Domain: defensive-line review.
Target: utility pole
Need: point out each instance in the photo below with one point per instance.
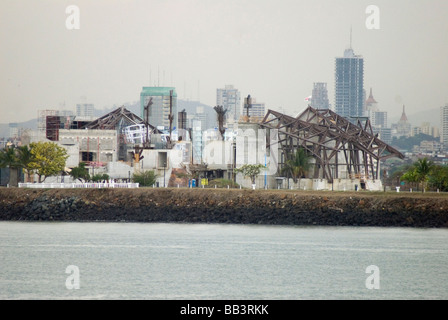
(248, 105)
(164, 167)
(171, 117)
(147, 121)
(332, 177)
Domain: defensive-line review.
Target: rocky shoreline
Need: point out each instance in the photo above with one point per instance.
(269, 207)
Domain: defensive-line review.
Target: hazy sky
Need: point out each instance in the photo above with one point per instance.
(271, 49)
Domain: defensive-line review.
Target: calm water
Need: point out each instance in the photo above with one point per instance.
(203, 261)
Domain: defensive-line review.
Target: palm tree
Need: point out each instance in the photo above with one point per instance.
(25, 158)
(80, 172)
(9, 159)
(297, 166)
(423, 168)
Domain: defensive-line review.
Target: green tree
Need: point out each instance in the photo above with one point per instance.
(25, 158)
(145, 178)
(439, 177)
(9, 159)
(410, 176)
(100, 177)
(395, 174)
(419, 172)
(250, 170)
(80, 173)
(49, 159)
(297, 166)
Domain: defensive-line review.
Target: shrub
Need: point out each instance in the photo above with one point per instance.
(222, 183)
(145, 178)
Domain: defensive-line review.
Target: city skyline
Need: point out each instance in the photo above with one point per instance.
(274, 51)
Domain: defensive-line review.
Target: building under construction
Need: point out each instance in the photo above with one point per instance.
(339, 148)
(131, 130)
(49, 122)
(113, 143)
(110, 138)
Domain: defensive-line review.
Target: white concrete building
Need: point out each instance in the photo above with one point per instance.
(230, 99)
(95, 147)
(444, 126)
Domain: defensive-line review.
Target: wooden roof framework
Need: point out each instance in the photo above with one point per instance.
(117, 119)
(324, 135)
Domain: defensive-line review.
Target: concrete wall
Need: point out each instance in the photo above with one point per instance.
(119, 170)
(272, 182)
(102, 143)
(218, 154)
(261, 181)
(73, 155)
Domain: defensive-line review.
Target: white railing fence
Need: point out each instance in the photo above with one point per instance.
(78, 185)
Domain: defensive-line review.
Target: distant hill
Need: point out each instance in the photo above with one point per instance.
(432, 116)
(407, 143)
(4, 127)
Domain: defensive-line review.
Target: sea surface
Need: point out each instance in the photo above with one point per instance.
(96, 260)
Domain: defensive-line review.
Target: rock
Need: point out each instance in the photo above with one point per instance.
(223, 206)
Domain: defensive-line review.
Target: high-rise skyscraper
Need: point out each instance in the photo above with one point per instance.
(349, 85)
(444, 126)
(230, 99)
(159, 110)
(85, 110)
(13, 130)
(319, 96)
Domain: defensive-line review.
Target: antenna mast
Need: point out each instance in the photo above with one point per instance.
(350, 37)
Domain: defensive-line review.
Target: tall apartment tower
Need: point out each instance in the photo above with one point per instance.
(13, 130)
(230, 99)
(159, 110)
(257, 109)
(319, 96)
(182, 120)
(349, 85)
(85, 110)
(444, 126)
